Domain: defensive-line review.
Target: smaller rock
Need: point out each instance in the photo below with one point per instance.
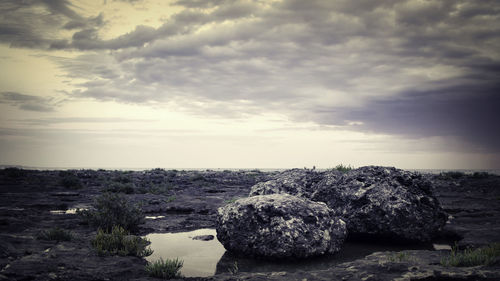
(204, 237)
(279, 226)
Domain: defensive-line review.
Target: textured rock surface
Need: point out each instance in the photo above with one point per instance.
(299, 182)
(404, 266)
(279, 226)
(383, 202)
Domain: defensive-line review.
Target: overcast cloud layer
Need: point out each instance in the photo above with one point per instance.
(413, 69)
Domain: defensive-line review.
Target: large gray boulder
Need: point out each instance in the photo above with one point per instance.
(383, 202)
(299, 182)
(279, 226)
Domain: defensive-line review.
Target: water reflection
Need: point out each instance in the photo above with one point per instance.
(206, 258)
(200, 257)
(350, 251)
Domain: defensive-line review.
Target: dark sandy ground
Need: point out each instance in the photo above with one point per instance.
(188, 200)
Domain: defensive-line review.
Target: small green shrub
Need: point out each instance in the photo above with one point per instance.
(166, 269)
(113, 210)
(470, 257)
(119, 242)
(70, 180)
(118, 187)
(342, 168)
(55, 234)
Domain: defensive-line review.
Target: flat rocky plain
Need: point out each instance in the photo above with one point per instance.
(188, 200)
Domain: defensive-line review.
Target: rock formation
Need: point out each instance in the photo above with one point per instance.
(376, 202)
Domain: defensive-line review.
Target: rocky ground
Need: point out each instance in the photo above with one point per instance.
(188, 200)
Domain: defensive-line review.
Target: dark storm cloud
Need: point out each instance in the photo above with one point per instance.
(467, 111)
(27, 102)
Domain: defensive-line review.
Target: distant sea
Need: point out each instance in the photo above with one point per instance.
(423, 171)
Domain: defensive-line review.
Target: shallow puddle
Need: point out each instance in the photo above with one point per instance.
(440, 247)
(200, 257)
(70, 211)
(206, 258)
(154, 217)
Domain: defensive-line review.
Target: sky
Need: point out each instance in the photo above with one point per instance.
(413, 84)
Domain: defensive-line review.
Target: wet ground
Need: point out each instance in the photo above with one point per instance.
(184, 201)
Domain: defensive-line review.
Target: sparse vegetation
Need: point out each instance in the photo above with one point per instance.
(233, 269)
(170, 199)
(472, 257)
(156, 189)
(124, 178)
(197, 177)
(70, 180)
(166, 269)
(399, 257)
(14, 172)
(231, 200)
(55, 234)
(113, 210)
(119, 242)
(451, 175)
(119, 187)
(343, 168)
(480, 175)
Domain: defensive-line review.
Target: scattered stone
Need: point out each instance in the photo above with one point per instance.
(204, 237)
(279, 226)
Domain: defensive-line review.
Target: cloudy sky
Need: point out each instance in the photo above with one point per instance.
(250, 84)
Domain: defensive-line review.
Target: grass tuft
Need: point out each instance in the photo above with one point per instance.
(399, 257)
(234, 269)
(55, 234)
(166, 269)
(343, 168)
(472, 257)
(119, 242)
